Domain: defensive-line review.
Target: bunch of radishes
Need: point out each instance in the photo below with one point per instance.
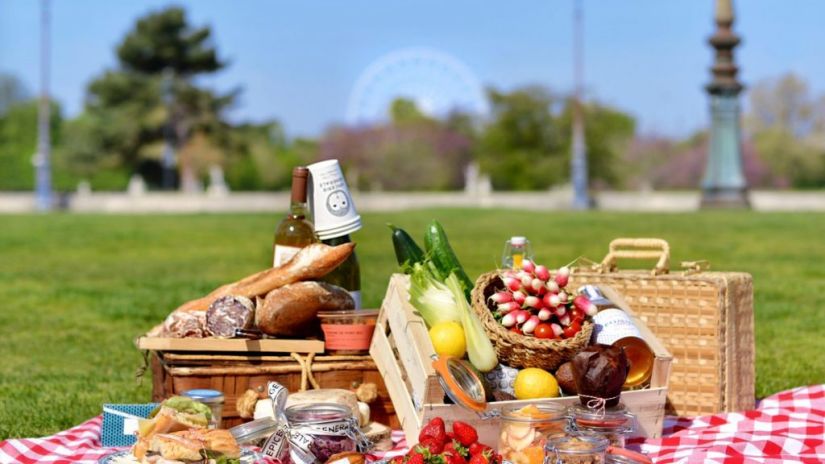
(536, 302)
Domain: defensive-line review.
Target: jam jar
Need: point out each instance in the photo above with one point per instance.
(317, 431)
(614, 424)
(525, 431)
(213, 399)
(576, 449)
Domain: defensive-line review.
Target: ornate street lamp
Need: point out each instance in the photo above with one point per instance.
(724, 185)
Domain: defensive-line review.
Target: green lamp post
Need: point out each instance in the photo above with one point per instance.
(724, 185)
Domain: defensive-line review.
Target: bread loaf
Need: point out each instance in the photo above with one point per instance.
(311, 262)
(292, 309)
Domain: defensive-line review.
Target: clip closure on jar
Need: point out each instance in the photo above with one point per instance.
(614, 424)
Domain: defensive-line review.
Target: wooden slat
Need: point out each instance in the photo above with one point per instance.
(230, 344)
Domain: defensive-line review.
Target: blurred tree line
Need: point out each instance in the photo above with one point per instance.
(154, 100)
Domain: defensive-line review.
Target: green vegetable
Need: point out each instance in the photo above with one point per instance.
(442, 254)
(479, 347)
(430, 297)
(407, 252)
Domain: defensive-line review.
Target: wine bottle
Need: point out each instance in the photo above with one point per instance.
(294, 231)
(348, 274)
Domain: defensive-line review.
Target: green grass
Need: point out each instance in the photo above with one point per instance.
(76, 290)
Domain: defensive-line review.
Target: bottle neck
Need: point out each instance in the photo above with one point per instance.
(339, 240)
(298, 208)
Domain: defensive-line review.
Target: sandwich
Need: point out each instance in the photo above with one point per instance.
(175, 414)
(200, 446)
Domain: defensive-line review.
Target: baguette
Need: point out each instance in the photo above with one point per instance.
(291, 309)
(311, 262)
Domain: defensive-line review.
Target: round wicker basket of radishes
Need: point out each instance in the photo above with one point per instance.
(530, 317)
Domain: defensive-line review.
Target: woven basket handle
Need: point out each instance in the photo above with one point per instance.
(638, 248)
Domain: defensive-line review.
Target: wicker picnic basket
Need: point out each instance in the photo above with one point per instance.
(705, 319)
(517, 350)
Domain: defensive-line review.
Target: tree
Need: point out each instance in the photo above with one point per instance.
(151, 97)
(18, 142)
(12, 91)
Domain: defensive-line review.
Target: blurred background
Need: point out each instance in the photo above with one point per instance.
(425, 96)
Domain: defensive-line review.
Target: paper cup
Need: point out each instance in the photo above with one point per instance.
(330, 201)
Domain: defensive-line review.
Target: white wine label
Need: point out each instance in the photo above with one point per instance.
(356, 295)
(612, 325)
(283, 254)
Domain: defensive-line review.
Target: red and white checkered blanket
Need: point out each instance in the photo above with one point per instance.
(788, 427)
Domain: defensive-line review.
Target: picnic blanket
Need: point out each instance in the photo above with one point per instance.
(788, 427)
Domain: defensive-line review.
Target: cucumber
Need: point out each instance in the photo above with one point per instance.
(407, 252)
(443, 257)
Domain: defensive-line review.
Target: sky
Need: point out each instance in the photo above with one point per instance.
(298, 62)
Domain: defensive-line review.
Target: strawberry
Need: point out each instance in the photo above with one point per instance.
(456, 447)
(478, 448)
(434, 429)
(397, 460)
(451, 436)
(451, 457)
(465, 433)
(416, 458)
(431, 444)
(479, 458)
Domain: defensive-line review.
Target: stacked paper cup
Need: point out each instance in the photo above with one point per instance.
(333, 211)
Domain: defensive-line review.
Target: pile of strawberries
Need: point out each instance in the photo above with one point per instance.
(437, 446)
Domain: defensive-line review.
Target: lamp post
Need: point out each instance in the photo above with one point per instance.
(42, 164)
(578, 163)
(724, 184)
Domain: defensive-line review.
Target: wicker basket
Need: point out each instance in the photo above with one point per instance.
(517, 350)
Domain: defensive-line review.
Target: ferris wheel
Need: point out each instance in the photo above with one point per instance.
(436, 81)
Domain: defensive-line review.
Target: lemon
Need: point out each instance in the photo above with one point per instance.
(532, 383)
(448, 339)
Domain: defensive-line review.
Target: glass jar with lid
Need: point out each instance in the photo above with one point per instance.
(525, 431)
(577, 449)
(614, 423)
(212, 398)
(317, 431)
(254, 433)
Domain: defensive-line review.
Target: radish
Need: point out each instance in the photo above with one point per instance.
(518, 297)
(530, 325)
(542, 273)
(522, 316)
(563, 297)
(508, 307)
(537, 285)
(560, 311)
(526, 280)
(528, 266)
(565, 320)
(582, 303)
(501, 297)
(512, 283)
(551, 300)
(545, 314)
(532, 302)
(557, 329)
(562, 276)
(508, 320)
(552, 286)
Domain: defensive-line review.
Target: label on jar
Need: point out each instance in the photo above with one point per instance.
(348, 336)
(613, 324)
(283, 254)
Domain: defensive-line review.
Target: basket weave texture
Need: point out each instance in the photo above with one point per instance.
(517, 350)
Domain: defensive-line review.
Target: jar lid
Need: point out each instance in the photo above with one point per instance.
(461, 383)
(254, 430)
(577, 444)
(533, 413)
(317, 412)
(518, 240)
(349, 314)
(612, 417)
(635, 458)
(205, 396)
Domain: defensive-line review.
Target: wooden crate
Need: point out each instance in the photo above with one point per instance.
(705, 319)
(233, 373)
(402, 351)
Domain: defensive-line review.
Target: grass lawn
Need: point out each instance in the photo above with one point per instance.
(76, 290)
